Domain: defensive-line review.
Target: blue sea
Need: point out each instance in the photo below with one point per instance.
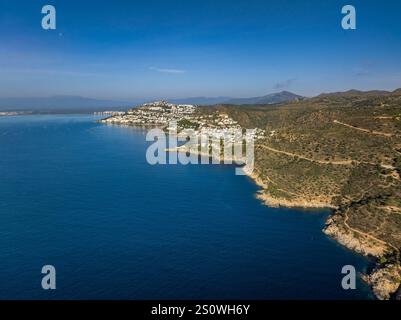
(80, 196)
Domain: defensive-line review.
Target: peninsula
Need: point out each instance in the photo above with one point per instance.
(339, 150)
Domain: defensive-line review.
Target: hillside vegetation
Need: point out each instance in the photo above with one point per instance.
(340, 150)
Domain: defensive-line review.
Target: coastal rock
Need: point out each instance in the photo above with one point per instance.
(385, 281)
(293, 203)
(335, 229)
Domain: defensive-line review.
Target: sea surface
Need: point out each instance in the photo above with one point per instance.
(80, 196)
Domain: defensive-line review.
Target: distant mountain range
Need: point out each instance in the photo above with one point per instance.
(60, 103)
(82, 104)
(78, 104)
(200, 100)
(353, 93)
(278, 97)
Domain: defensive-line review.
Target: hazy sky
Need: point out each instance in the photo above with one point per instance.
(168, 48)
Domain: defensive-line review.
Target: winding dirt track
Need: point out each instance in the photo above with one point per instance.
(366, 234)
(339, 162)
(378, 133)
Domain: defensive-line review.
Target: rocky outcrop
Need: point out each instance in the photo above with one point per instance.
(367, 247)
(293, 203)
(385, 281)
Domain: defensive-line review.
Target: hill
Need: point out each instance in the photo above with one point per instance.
(273, 98)
(279, 97)
(343, 151)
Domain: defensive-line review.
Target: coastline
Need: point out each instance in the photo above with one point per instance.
(385, 279)
(222, 217)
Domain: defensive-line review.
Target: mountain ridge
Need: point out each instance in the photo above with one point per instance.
(58, 102)
(272, 98)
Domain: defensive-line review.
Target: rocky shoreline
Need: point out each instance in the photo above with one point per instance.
(385, 279)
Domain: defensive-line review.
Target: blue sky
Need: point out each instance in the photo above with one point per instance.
(128, 50)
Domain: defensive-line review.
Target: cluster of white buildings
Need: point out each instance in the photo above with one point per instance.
(164, 106)
(109, 113)
(161, 113)
(222, 126)
(158, 113)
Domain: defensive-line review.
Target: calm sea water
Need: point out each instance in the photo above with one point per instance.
(80, 196)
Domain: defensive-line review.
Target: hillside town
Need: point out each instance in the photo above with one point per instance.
(162, 114)
(109, 113)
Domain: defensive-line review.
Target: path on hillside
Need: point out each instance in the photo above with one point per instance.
(366, 234)
(362, 232)
(337, 162)
(378, 133)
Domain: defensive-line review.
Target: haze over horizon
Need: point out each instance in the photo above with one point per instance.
(137, 51)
